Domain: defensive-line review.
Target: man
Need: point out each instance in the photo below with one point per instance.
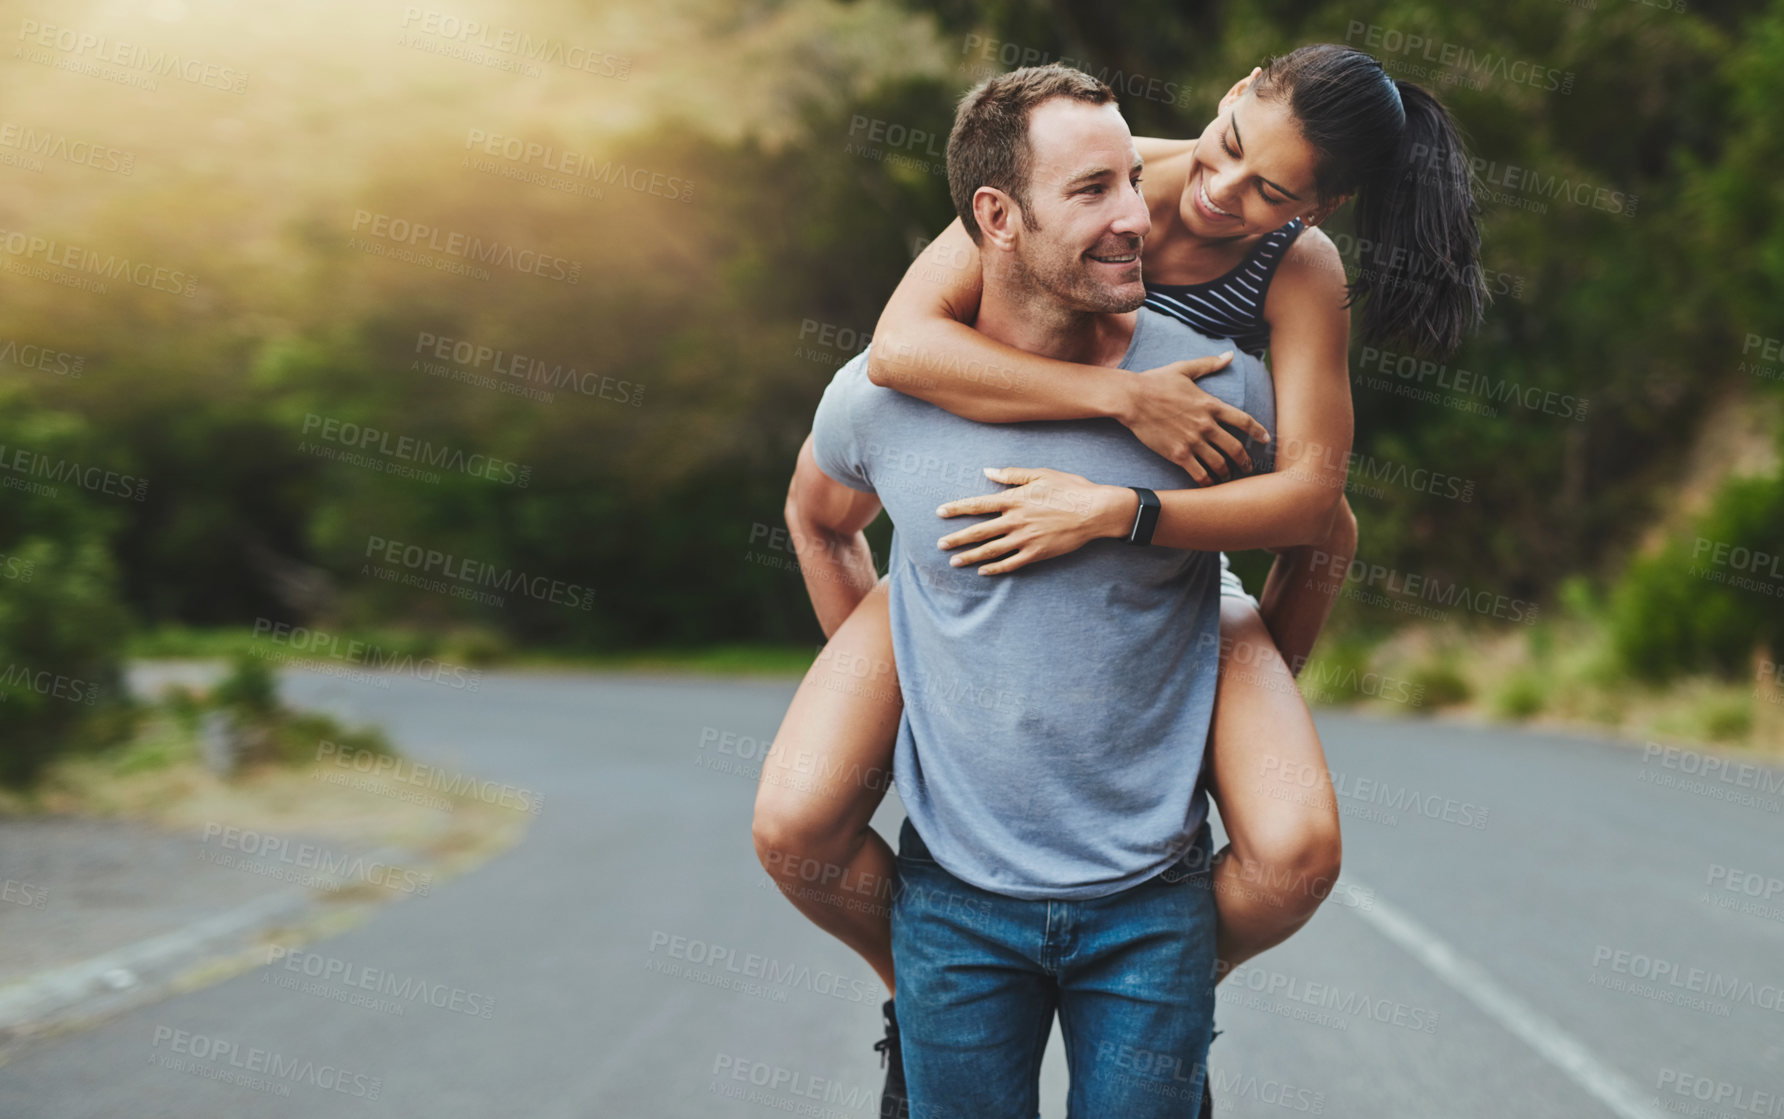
(1056, 852)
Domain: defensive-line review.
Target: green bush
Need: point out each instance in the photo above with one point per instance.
(1522, 696)
(1333, 674)
(1707, 600)
(265, 732)
(250, 688)
(295, 739)
(1728, 719)
(61, 622)
(1441, 685)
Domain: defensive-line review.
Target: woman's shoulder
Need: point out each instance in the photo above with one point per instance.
(1158, 149)
(1312, 251)
(1161, 180)
(1311, 269)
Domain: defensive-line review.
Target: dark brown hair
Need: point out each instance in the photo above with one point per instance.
(1394, 146)
(989, 143)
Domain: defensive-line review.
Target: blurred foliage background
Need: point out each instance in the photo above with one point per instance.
(803, 139)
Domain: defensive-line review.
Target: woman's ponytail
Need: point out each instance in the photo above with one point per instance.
(1393, 146)
(1420, 284)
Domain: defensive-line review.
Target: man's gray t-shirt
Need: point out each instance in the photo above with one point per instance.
(1054, 717)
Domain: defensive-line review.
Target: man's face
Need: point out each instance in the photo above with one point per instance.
(1084, 198)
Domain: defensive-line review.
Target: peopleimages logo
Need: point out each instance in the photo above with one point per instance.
(29, 356)
(1465, 60)
(275, 1069)
(1507, 182)
(472, 357)
(304, 641)
(790, 1082)
(1738, 1098)
(403, 990)
(749, 970)
(85, 48)
(15, 892)
(520, 47)
(537, 162)
(997, 52)
(57, 146)
(1414, 588)
(20, 677)
(309, 857)
(1465, 383)
(1739, 558)
(75, 259)
(1312, 460)
(1766, 363)
(431, 777)
(471, 573)
(1369, 790)
(22, 464)
(409, 449)
(1663, 973)
(452, 242)
(1354, 1005)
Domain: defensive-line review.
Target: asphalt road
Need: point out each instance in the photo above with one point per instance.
(1531, 925)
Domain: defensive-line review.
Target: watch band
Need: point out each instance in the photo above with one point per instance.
(1145, 517)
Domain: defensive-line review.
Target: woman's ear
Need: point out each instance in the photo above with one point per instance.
(1324, 210)
(1239, 88)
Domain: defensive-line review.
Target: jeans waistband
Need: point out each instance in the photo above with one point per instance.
(1196, 860)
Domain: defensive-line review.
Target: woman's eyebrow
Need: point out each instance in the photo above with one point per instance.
(1240, 141)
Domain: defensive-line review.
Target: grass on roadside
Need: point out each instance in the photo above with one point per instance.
(372, 648)
(298, 773)
(1563, 671)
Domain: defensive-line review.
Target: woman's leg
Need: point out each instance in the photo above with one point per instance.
(1303, 586)
(1275, 795)
(822, 781)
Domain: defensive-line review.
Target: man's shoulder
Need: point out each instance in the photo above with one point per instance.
(853, 387)
(1160, 338)
(852, 402)
(856, 367)
(1156, 328)
(851, 379)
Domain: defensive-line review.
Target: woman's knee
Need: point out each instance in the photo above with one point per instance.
(1294, 855)
(1317, 850)
(791, 832)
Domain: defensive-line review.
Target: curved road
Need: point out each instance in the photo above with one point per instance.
(1530, 925)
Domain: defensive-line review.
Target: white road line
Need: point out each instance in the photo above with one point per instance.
(1535, 1029)
(52, 991)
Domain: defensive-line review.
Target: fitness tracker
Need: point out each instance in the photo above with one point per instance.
(1145, 517)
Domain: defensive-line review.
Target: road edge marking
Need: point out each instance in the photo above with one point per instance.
(1523, 1021)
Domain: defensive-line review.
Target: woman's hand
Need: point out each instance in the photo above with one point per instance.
(1180, 420)
(1047, 513)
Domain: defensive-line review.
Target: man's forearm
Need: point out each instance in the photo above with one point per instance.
(838, 571)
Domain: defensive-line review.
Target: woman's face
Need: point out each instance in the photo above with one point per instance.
(1251, 170)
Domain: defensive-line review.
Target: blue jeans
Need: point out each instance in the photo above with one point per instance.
(980, 976)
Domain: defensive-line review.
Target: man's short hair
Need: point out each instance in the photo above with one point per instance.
(989, 143)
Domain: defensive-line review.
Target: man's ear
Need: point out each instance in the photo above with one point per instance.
(1324, 210)
(997, 215)
(1239, 88)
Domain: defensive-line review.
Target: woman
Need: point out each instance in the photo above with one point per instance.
(1229, 254)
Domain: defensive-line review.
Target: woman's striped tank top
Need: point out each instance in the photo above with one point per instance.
(1231, 306)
